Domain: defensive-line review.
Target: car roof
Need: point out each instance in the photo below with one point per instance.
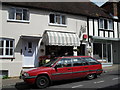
(73, 56)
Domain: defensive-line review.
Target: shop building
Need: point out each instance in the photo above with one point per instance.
(114, 9)
(31, 30)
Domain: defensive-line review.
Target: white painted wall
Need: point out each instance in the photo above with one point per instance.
(38, 24)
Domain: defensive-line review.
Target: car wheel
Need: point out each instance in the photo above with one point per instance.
(91, 76)
(42, 82)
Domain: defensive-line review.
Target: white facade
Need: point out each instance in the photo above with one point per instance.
(34, 29)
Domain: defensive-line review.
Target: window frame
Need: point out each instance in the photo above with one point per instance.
(15, 20)
(55, 20)
(4, 48)
(108, 28)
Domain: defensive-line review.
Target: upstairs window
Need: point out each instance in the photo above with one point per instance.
(105, 24)
(18, 14)
(57, 19)
(6, 48)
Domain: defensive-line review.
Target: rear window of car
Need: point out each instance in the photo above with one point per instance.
(91, 60)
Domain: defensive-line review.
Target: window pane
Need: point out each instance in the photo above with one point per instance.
(1, 51)
(7, 43)
(105, 24)
(59, 64)
(91, 61)
(67, 62)
(18, 16)
(25, 14)
(7, 51)
(85, 63)
(11, 43)
(1, 43)
(109, 52)
(101, 23)
(104, 52)
(11, 51)
(63, 20)
(77, 62)
(111, 24)
(11, 13)
(97, 50)
(52, 18)
(58, 19)
(29, 44)
(19, 10)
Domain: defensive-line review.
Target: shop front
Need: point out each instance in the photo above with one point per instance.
(59, 43)
(103, 50)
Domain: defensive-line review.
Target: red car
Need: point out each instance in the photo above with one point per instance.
(63, 68)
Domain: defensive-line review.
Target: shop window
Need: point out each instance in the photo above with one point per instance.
(102, 52)
(97, 50)
(57, 19)
(6, 48)
(109, 52)
(18, 14)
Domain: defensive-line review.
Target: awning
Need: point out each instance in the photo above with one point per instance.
(61, 38)
(30, 36)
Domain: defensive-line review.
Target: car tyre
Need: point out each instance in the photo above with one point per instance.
(91, 76)
(42, 82)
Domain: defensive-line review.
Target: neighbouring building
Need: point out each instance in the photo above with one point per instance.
(34, 29)
(114, 9)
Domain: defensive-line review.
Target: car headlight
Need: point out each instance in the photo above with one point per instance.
(26, 74)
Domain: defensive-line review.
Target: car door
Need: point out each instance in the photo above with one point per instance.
(94, 65)
(80, 68)
(63, 69)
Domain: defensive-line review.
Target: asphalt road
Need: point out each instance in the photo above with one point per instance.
(110, 79)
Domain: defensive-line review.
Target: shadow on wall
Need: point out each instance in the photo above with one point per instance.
(18, 47)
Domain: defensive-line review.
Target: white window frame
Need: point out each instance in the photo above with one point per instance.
(56, 24)
(15, 20)
(108, 28)
(4, 48)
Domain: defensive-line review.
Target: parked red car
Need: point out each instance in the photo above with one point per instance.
(63, 68)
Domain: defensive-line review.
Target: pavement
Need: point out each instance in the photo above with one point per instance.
(13, 81)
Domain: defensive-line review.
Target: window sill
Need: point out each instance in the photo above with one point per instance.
(7, 57)
(59, 25)
(19, 21)
(106, 29)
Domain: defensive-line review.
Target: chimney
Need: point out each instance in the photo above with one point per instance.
(115, 11)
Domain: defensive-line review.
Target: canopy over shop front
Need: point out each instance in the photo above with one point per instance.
(61, 38)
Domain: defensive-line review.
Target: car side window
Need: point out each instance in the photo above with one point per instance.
(85, 62)
(77, 62)
(65, 62)
(59, 64)
(92, 61)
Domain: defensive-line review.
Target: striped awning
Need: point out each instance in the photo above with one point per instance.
(61, 38)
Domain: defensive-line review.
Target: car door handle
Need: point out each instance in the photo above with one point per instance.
(86, 67)
(69, 69)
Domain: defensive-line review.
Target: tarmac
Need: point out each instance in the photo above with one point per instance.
(13, 81)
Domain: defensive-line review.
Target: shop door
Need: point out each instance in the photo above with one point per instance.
(29, 53)
(81, 50)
